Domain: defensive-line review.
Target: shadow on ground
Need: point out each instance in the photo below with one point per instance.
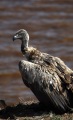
(30, 111)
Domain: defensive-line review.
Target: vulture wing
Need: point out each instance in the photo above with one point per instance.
(65, 74)
(47, 86)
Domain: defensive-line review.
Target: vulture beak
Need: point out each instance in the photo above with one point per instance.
(16, 37)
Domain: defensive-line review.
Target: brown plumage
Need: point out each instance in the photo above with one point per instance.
(47, 76)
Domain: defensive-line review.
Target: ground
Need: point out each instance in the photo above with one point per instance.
(31, 110)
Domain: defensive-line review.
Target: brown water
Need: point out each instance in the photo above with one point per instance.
(50, 25)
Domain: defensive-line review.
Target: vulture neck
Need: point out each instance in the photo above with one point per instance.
(24, 45)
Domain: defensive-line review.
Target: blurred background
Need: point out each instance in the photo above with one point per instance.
(50, 26)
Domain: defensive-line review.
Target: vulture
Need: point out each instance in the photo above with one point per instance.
(47, 76)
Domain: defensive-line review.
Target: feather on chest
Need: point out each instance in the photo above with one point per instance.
(32, 54)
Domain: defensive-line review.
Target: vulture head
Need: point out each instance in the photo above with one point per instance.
(23, 36)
